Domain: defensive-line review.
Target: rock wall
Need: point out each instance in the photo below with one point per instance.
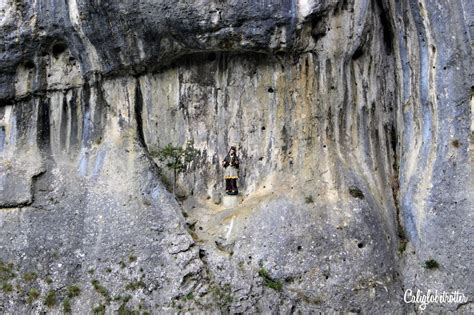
(351, 120)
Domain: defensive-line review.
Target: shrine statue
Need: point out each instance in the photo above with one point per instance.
(231, 173)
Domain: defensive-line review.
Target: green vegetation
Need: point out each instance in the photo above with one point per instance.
(132, 258)
(431, 264)
(309, 199)
(122, 264)
(222, 295)
(30, 276)
(67, 306)
(33, 295)
(189, 296)
(6, 271)
(124, 298)
(99, 310)
(124, 310)
(108, 270)
(268, 281)
(49, 280)
(100, 289)
(50, 299)
(176, 158)
(402, 243)
(7, 287)
(135, 285)
(402, 246)
(73, 291)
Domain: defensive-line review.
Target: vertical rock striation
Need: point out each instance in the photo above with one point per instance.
(352, 120)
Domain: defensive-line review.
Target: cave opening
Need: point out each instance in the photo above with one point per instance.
(58, 49)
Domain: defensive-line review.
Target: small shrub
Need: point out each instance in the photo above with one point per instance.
(7, 287)
(101, 289)
(135, 285)
(268, 281)
(108, 270)
(91, 271)
(402, 243)
(124, 310)
(6, 271)
(73, 291)
(132, 258)
(33, 295)
(122, 264)
(99, 310)
(402, 246)
(309, 199)
(49, 280)
(30, 276)
(431, 264)
(189, 296)
(50, 299)
(67, 306)
(176, 159)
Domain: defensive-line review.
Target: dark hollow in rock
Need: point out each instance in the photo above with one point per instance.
(58, 49)
(356, 192)
(29, 64)
(212, 56)
(358, 53)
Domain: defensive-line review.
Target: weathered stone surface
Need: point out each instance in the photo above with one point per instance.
(230, 201)
(352, 121)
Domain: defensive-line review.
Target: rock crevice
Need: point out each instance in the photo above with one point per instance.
(352, 120)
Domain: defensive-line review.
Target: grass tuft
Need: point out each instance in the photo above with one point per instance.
(30, 276)
(67, 306)
(99, 310)
(135, 285)
(50, 299)
(6, 271)
(33, 295)
(7, 287)
(73, 291)
(268, 281)
(431, 264)
(101, 289)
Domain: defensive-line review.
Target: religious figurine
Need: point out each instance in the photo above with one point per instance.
(231, 173)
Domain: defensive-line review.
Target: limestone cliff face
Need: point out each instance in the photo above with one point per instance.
(352, 121)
